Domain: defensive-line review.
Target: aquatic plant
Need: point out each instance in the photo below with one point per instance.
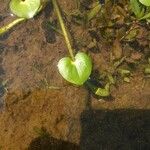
(24, 9)
(141, 9)
(145, 2)
(75, 69)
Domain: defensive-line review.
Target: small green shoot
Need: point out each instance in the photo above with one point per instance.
(125, 74)
(99, 91)
(74, 69)
(12, 24)
(103, 92)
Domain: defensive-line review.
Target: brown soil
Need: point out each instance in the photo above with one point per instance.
(42, 111)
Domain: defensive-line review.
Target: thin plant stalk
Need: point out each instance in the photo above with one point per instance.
(64, 29)
(10, 25)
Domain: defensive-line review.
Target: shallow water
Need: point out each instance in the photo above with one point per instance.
(41, 110)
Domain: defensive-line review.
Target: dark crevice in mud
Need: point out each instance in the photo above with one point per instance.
(2, 73)
(5, 36)
(1, 60)
(95, 35)
(1, 18)
(135, 44)
(85, 4)
(94, 49)
(16, 48)
(1, 104)
(2, 92)
(49, 33)
(2, 48)
(48, 9)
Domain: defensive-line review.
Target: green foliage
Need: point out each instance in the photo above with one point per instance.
(25, 9)
(77, 71)
(94, 11)
(103, 92)
(137, 8)
(145, 2)
(140, 9)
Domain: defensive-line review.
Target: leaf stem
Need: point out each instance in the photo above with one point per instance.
(10, 25)
(64, 29)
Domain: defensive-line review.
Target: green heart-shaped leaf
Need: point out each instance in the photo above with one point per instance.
(25, 8)
(78, 71)
(145, 2)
